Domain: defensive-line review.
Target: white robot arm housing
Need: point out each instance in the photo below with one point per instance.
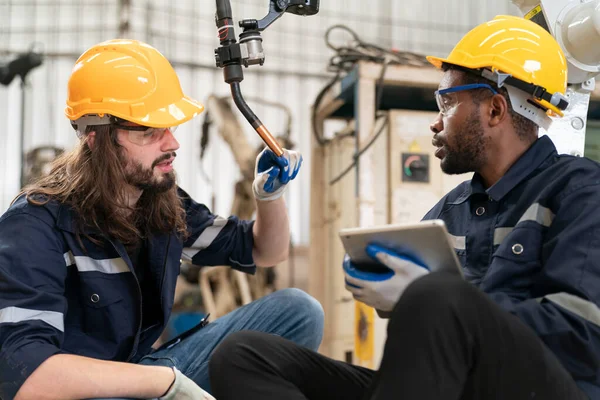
(575, 24)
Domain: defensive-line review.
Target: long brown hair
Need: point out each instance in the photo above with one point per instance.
(92, 183)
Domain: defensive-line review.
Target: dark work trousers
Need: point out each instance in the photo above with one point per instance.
(446, 340)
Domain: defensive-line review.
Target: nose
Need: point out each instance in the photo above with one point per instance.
(437, 125)
(169, 143)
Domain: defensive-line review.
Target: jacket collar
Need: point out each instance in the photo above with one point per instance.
(540, 150)
(66, 220)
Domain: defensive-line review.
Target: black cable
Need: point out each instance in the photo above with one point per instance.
(288, 126)
(358, 154)
(379, 87)
(224, 9)
(378, 96)
(208, 122)
(316, 132)
(345, 59)
(239, 101)
(347, 56)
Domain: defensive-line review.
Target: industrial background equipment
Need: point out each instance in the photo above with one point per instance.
(20, 67)
(576, 27)
(222, 289)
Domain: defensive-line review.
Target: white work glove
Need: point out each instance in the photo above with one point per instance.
(183, 388)
(381, 290)
(272, 173)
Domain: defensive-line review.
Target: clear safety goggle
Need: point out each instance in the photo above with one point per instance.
(137, 134)
(447, 99)
(142, 135)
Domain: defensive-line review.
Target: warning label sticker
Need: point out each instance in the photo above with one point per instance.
(536, 15)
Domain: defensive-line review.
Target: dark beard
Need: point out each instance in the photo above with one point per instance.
(143, 179)
(467, 153)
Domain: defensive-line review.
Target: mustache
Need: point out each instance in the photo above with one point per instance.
(164, 157)
(437, 142)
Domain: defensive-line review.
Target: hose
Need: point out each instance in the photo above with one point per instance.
(258, 126)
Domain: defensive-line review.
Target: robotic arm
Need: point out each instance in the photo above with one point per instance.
(575, 24)
(20, 66)
(249, 51)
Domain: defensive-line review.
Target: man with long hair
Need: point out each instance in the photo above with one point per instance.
(524, 322)
(90, 254)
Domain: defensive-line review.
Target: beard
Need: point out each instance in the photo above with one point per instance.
(466, 154)
(143, 178)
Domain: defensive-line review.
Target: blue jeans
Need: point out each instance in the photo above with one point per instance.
(289, 313)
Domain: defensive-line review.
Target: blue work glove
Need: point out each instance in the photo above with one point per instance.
(272, 173)
(381, 290)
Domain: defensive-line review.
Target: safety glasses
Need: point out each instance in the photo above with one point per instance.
(142, 135)
(447, 99)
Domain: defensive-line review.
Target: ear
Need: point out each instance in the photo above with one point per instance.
(497, 110)
(91, 139)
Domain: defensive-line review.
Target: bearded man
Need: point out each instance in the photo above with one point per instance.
(90, 254)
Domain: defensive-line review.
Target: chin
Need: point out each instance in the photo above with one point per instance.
(158, 185)
(162, 176)
(450, 168)
(168, 181)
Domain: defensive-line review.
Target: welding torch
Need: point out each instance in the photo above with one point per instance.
(231, 55)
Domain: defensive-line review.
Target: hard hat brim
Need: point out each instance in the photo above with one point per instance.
(436, 61)
(173, 115)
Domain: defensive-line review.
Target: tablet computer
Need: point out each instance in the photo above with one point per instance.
(428, 242)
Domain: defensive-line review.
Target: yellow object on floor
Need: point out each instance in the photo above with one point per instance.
(364, 335)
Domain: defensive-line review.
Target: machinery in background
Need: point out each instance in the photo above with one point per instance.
(575, 24)
(20, 67)
(38, 162)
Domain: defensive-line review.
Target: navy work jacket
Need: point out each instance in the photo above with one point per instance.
(56, 297)
(532, 243)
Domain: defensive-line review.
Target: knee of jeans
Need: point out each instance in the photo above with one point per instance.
(306, 312)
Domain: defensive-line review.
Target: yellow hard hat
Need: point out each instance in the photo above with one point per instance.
(521, 49)
(131, 80)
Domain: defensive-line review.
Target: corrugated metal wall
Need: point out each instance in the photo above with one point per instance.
(295, 70)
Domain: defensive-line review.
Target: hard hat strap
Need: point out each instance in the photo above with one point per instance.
(536, 91)
(80, 125)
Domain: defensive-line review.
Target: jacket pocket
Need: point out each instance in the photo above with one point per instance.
(101, 298)
(108, 307)
(516, 262)
(522, 245)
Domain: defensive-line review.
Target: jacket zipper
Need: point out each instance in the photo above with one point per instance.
(164, 274)
(138, 333)
(139, 289)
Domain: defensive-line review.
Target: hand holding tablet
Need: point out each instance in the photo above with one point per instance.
(426, 243)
